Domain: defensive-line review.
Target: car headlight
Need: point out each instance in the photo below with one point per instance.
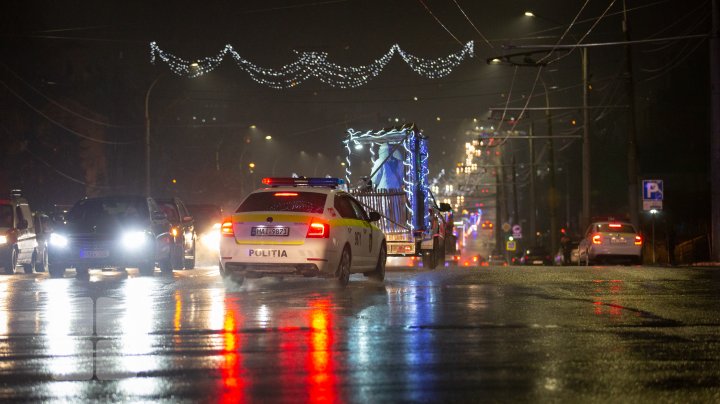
(133, 240)
(58, 240)
(3, 239)
(211, 240)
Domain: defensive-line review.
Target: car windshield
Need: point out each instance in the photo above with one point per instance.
(102, 209)
(305, 202)
(614, 228)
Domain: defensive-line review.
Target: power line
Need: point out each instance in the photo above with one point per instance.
(440, 22)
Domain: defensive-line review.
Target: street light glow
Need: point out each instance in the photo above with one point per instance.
(268, 137)
(529, 14)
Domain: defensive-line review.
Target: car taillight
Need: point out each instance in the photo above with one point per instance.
(597, 239)
(318, 230)
(638, 240)
(227, 229)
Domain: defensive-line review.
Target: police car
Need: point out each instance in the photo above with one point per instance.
(304, 227)
(611, 241)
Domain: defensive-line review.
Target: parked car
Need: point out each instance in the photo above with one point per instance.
(536, 256)
(611, 241)
(18, 243)
(183, 232)
(111, 232)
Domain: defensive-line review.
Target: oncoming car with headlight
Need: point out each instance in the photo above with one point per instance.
(112, 232)
(304, 227)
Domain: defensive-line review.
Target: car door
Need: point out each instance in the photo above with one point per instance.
(188, 224)
(368, 251)
(351, 230)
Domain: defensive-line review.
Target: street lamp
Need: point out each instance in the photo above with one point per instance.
(147, 134)
(653, 214)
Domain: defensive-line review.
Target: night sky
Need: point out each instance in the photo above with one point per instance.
(74, 68)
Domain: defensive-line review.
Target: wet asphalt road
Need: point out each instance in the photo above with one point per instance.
(506, 334)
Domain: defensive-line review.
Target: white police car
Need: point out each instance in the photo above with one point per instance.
(305, 227)
(611, 241)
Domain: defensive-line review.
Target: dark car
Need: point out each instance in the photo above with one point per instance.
(536, 256)
(183, 232)
(111, 232)
(18, 243)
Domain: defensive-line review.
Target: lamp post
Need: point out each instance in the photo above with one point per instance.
(653, 214)
(147, 135)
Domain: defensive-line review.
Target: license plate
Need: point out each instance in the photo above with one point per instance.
(270, 231)
(536, 262)
(617, 241)
(94, 254)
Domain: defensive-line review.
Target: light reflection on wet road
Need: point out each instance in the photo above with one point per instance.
(482, 334)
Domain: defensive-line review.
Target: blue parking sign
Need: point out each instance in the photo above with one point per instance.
(652, 190)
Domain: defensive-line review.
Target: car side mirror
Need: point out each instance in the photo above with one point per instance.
(445, 207)
(187, 219)
(157, 216)
(23, 224)
(374, 216)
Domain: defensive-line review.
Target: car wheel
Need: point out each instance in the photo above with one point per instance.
(43, 267)
(342, 273)
(56, 271)
(166, 266)
(146, 269)
(190, 262)
(30, 267)
(11, 262)
(379, 273)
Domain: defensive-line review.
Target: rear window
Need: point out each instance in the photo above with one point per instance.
(284, 201)
(614, 228)
(170, 210)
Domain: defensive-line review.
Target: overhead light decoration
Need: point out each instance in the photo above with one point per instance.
(312, 64)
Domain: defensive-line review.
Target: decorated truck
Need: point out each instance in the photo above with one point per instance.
(397, 187)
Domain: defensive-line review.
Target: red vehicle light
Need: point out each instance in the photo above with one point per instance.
(615, 225)
(475, 259)
(286, 194)
(227, 228)
(597, 239)
(318, 230)
(638, 240)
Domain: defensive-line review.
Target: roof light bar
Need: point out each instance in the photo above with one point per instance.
(302, 181)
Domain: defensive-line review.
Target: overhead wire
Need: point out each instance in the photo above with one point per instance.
(473, 25)
(58, 124)
(440, 22)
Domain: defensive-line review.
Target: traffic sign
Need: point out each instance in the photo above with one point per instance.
(652, 190)
(517, 231)
(510, 245)
(652, 195)
(506, 227)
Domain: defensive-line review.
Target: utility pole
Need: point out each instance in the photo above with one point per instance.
(516, 211)
(552, 192)
(715, 129)
(585, 220)
(633, 191)
(533, 209)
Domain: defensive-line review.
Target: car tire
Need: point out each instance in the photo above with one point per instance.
(43, 267)
(56, 271)
(166, 266)
(30, 267)
(342, 273)
(146, 269)
(379, 273)
(190, 262)
(82, 273)
(10, 262)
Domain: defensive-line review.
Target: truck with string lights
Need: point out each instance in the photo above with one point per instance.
(397, 187)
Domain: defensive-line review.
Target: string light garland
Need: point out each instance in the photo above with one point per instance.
(312, 64)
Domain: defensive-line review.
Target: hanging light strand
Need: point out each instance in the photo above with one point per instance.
(312, 64)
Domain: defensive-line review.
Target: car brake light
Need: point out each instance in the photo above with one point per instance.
(638, 240)
(286, 194)
(615, 225)
(318, 230)
(597, 239)
(227, 229)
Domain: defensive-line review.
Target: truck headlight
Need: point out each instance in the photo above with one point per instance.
(58, 240)
(132, 240)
